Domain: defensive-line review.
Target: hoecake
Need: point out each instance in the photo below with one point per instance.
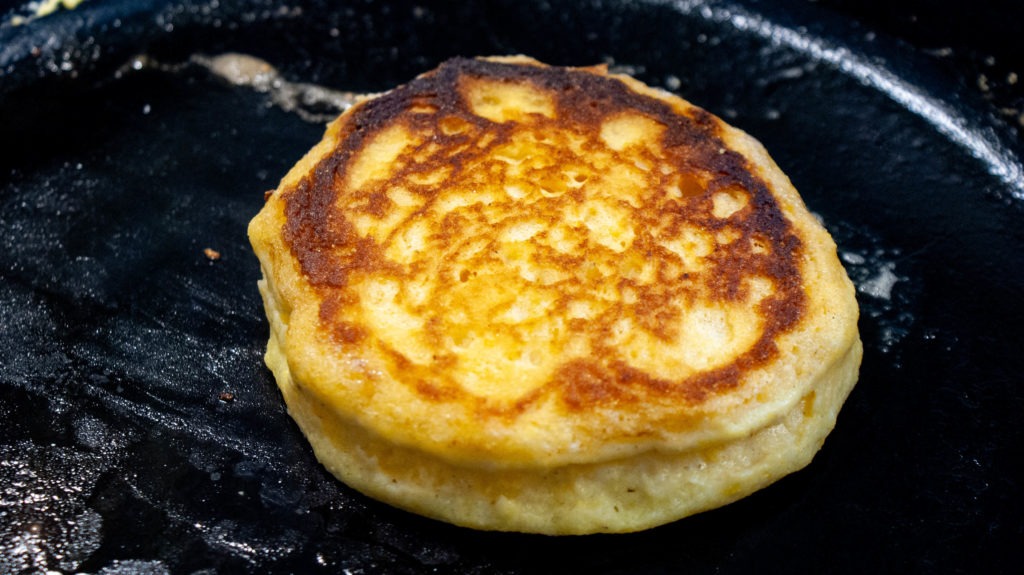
(520, 297)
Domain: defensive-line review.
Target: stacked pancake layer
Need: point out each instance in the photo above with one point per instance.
(521, 297)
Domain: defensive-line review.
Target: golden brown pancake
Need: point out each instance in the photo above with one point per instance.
(519, 297)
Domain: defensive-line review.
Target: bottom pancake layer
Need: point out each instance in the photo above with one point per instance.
(620, 495)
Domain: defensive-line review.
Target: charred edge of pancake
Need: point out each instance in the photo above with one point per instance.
(314, 232)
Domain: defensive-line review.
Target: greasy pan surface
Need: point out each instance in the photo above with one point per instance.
(142, 433)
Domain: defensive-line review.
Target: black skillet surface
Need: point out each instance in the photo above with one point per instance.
(141, 432)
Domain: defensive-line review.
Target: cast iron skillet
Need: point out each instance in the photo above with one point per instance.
(141, 432)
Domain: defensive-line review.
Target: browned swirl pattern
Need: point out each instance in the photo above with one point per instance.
(502, 234)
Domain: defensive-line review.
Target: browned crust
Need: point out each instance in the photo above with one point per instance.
(330, 251)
